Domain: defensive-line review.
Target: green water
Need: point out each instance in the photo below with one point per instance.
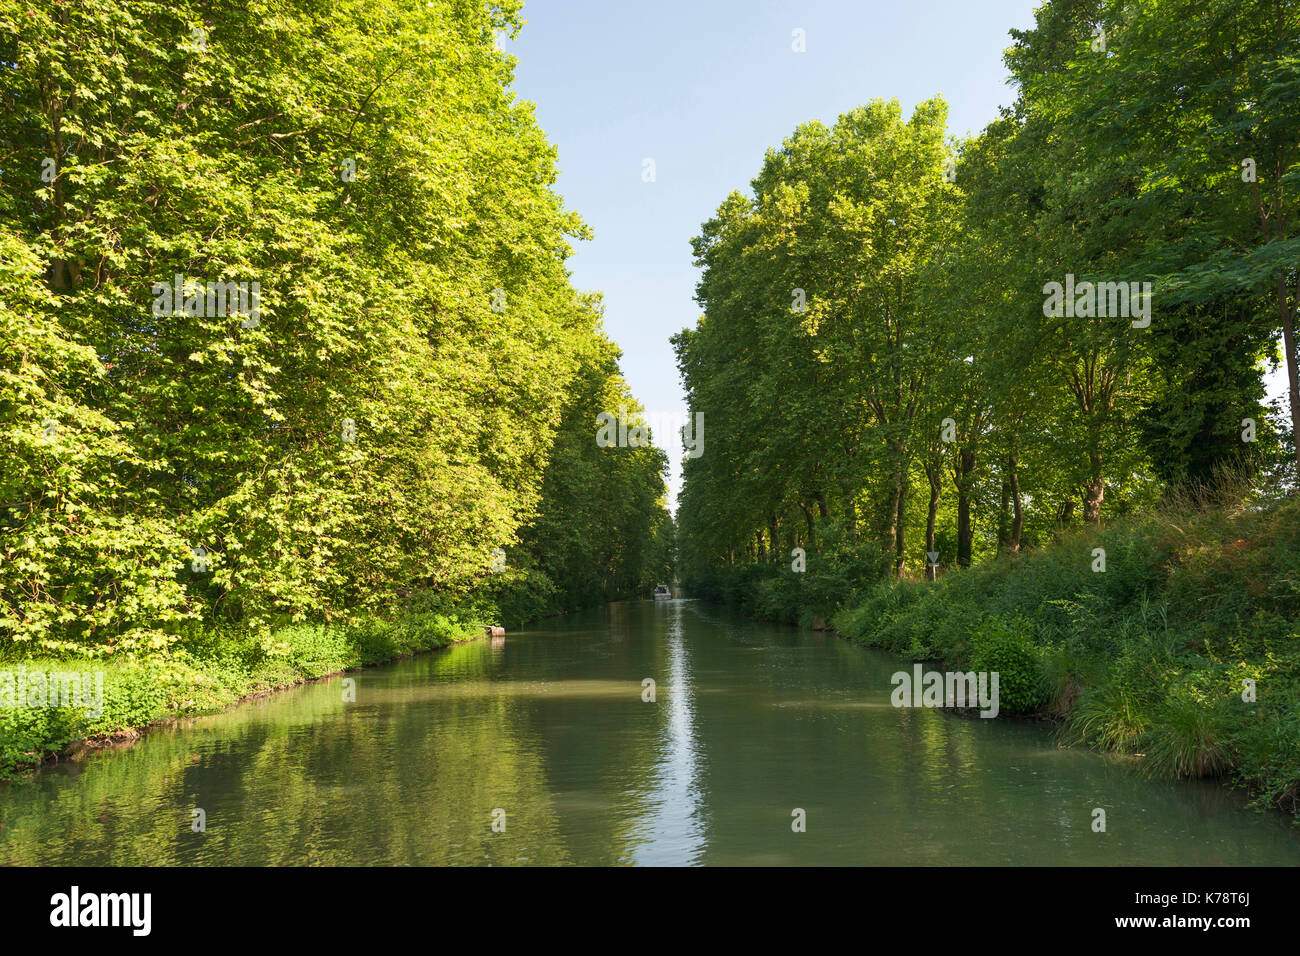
(548, 725)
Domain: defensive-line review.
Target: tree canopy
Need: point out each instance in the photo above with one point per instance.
(914, 347)
(402, 392)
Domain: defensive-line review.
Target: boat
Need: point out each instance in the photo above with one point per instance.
(662, 593)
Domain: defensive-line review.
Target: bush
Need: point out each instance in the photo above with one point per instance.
(1003, 647)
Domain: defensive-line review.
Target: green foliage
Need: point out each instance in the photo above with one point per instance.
(1004, 647)
(1148, 658)
(811, 352)
(603, 530)
(211, 670)
(418, 391)
(1187, 738)
(925, 400)
(79, 573)
(928, 400)
(421, 384)
(26, 733)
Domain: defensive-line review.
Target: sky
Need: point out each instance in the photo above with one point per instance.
(703, 88)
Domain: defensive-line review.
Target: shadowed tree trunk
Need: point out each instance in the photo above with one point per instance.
(965, 480)
(892, 515)
(900, 527)
(1065, 513)
(1004, 518)
(1017, 503)
(1094, 490)
(1094, 387)
(933, 465)
(850, 511)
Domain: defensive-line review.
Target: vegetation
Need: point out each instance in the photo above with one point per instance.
(211, 671)
(288, 347)
(1186, 650)
(896, 389)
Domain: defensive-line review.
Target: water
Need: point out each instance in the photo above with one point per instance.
(751, 722)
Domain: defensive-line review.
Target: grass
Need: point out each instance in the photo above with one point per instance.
(212, 670)
(1154, 657)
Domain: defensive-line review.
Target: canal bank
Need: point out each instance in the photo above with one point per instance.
(744, 725)
(206, 674)
(1169, 638)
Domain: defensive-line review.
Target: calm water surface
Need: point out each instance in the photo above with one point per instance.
(751, 721)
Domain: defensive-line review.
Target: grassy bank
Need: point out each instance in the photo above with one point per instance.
(1148, 657)
(211, 670)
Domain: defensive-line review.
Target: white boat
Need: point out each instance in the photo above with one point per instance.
(662, 593)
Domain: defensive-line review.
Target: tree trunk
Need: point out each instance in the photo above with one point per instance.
(933, 464)
(891, 526)
(62, 274)
(931, 515)
(850, 511)
(1017, 503)
(1094, 492)
(1004, 520)
(900, 526)
(808, 517)
(888, 521)
(965, 533)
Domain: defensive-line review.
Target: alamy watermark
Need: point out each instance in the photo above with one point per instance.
(674, 432)
(209, 299)
(949, 689)
(82, 689)
(75, 908)
(1099, 299)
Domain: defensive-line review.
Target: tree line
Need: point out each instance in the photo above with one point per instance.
(917, 351)
(375, 377)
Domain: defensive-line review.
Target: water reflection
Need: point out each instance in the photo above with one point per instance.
(548, 725)
(674, 831)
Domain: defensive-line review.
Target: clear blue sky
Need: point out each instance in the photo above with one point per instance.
(703, 88)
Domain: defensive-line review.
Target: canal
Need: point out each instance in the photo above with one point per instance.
(542, 748)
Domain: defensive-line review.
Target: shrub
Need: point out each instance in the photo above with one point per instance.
(1002, 646)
